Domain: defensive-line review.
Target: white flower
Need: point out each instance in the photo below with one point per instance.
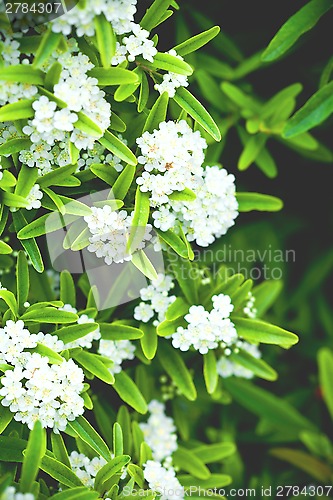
(34, 198)
(172, 81)
(159, 432)
(118, 351)
(227, 368)
(249, 310)
(64, 120)
(34, 389)
(163, 481)
(10, 494)
(158, 294)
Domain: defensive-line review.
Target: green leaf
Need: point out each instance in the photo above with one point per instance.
(210, 371)
(177, 309)
(118, 148)
(113, 76)
(149, 341)
(6, 416)
(44, 225)
(106, 39)
(26, 179)
(264, 404)
(49, 315)
(13, 200)
(325, 362)
(57, 176)
(10, 300)
(59, 449)
(258, 366)
(129, 392)
(32, 458)
(4, 248)
(214, 481)
(240, 98)
(87, 125)
(81, 493)
(117, 331)
(15, 146)
(167, 62)
(74, 332)
(265, 295)
(110, 469)
(210, 453)
(187, 277)
(29, 245)
(259, 331)
(140, 220)
(67, 288)
(22, 279)
(251, 151)
(47, 46)
(17, 110)
(257, 201)
(305, 462)
(53, 76)
(118, 442)
(297, 25)
(196, 110)
(11, 448)
(173, 364)
(59, 472)
(144, 93)
(157, 113)
(186, 195)
(174, 241)
(196, 42)
(88, 434)
(154, 14)
(105, 172)
(43, 350)
(315, 111)
(123, 182)
(142, 262)
(94, 365)
(187, 461)
(22, 73)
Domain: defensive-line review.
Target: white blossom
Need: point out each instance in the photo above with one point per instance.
(163, 481)
(172, 81)
(117, 351)
(10, 494)
(227, 367)
(157, 293)
(34, 197)
(84, 468)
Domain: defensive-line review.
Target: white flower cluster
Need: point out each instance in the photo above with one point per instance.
(11, 494)
(34, 198)
(172, 81)
(135, 44)
(87, 340)
(81, 94)
(12, 91)
(159, 432)
(86, 469)
(34, 389)
(118, 351)
(157, 293)
(227, 368)
(172, 157)
(120, 13)
(109, 234)
(249, 310)
(207, 330)
(163, 481)
(213, 211)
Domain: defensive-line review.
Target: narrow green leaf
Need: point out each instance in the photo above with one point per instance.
(157, 113)
(259, 331)
(110, 469)
(118, 148)
(88, 434)
(10, 300)
(325, 362)
(117, 331)
(149, 341)
(22, 73)
(59, 449)
(94, 365)
(22, 279)
(154, 13)
(210, 453)
(81, 493)
(142, 262)
(187, 461)
(177, 309)
(49, 315)
(113, 76)
(167, 62)
(197, 41)
(297, 25)
(258, 366)
(315, 111)
(173, 364)
(29, 245)
(6, 416)
(74, 332)
(129, 392)
(106, 39)
(257, 201)
(118, 444)
(196, 110)
(33, 455)
(15, 146)
(67, 288)
(305, 462)
(47, 46)
(59, 472)
(210, 371)
(251, 151)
